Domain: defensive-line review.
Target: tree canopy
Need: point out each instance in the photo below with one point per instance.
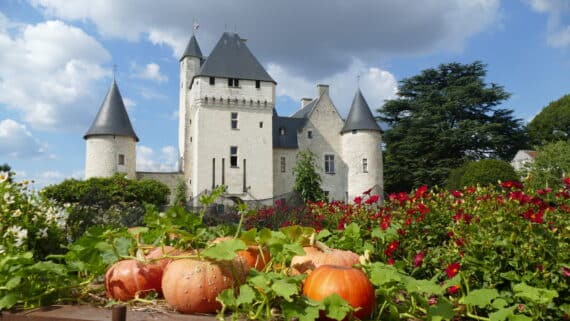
(442, 118)
(552, 123)
(307, 180)
(551, 164)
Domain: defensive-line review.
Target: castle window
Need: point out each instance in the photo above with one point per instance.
(281, 131)
(310, 134)
(121, 159)
(233, 82)
(282, 164)
(212, 81)
(260, 124)
(329, 164)
(257, 84)
(354, 131)
(365, 165)
(234, 120)
(233, 156)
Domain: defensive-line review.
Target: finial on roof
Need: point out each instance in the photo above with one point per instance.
(358, 80)
(114, 71)
(195, 26)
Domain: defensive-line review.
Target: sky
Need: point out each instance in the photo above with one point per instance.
(57, 58)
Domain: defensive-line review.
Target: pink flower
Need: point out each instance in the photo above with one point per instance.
(372, 199)
(419, 259)
(565, 271)
(452, 269)
(357, 200)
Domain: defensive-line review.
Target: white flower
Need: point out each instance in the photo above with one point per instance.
(4, 176)
(9, 199)
(17, 213)
(20, 234)
(2, 249)
(43, 233)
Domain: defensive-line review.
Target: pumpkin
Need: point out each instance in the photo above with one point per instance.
(192, 285)
(126, 279)
(255, 256)
(158, 252)
(349, 283)
(315, 257)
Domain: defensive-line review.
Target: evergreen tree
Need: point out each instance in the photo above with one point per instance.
(442, 118)
(307, 180)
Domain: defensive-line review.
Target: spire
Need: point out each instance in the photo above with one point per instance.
(112, 118)
(192, 49)
(360, 116)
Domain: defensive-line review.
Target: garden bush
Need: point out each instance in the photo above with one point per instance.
(454, 178)
(487, 171)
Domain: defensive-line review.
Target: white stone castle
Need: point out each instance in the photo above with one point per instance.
(230, 133)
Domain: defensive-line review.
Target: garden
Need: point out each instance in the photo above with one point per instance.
(496, 252)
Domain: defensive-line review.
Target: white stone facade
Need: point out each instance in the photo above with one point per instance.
(103, 156)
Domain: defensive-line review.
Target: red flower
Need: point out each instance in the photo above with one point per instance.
(372, 199)
(460, 242)
(421, 191)
(534, 217)
(544, 191)
(565, 271)
(367, 192)
(456, 194)
(470, 190)
(432, 300)
(453, 289)
(391, 248)
(452, 269)
(357, 200)
(566, 181)
(390, 261)
(419, 259)
(511, 184)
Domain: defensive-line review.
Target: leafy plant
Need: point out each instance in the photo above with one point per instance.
(487, 171)
(307, 180)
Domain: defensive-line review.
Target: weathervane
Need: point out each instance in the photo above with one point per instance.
(114, 71)
(195, 26)
(358, 80)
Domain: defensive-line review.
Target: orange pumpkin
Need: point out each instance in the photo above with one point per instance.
(255, 256)
(125, 279)
(156, 255)
(315, 257)
(192, 285)
(349, 283)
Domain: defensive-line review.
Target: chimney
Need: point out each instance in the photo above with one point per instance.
(305, 101)
(322, 89)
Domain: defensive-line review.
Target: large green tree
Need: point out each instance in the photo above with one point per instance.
(552, 123)
(442, 118)
(307, 180)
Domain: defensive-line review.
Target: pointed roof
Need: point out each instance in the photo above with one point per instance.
(112, 118)
(231, 58)
(306, 110)
(192, 49)
(360, 116)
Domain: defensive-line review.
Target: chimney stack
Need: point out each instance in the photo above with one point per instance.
(322, 89)
(305, 101)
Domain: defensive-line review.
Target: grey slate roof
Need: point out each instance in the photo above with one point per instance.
(192, 49)
(292, 127)
(306, 111)
(112, 118)
(231, 58)
(359, 116)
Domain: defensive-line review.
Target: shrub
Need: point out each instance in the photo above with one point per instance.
(454, 178)
(550, 165)
(487, 171)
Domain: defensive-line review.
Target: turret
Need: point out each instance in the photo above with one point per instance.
(111, 139)
(361, 150)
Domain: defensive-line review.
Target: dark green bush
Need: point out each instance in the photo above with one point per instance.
(111, 202)
(454, 178)
(487, 171)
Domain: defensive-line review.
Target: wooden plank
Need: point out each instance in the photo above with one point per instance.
(91, 313)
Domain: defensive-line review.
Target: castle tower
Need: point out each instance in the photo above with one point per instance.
(361, 150)
(190, 63)
(228, 122)
(111, 140)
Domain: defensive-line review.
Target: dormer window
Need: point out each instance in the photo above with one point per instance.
(310, 134)
(233, 82)
(281, 131)
(212, 81)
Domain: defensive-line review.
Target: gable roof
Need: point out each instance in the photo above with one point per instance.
(359, 116)
(192, 49)
(231, 58)
(306, 111)
(112, 118)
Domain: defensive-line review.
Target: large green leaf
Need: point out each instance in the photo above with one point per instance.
(480, 297)
(225, 250)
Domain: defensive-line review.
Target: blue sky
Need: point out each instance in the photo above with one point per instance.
(57, 57)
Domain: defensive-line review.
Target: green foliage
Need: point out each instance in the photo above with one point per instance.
(487, 172)
(552, 123)
(6, 170)
(442, 118)
(549, 167)
(115, 201)
(180, 196)
(307, 180)
(454, 178)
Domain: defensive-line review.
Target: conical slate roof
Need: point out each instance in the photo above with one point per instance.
(192, 49)
(112, 118)
(231, 58)
(360, 116)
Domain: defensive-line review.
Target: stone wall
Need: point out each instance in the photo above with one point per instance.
(102, 156)
(169, 179)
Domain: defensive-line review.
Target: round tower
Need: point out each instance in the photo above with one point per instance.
(111, 141)
(362, 153)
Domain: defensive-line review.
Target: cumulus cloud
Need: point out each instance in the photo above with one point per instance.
(376, 84)
(558, 33)
(317, 38)
(48, 71)
(150, 161)
(16, 141)
(150, 72)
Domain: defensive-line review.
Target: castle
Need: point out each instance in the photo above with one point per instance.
(230, 133)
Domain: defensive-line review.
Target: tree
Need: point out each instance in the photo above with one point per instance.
(443, 118)
(551, 164)
(487, 172)
(307, 180)
(552, 123)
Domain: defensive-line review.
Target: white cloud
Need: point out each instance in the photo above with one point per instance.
(16, 141)
(47, 73)
(302, 36)
(149, 161)
(376, 85)
(151, 72)
(558, 33)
